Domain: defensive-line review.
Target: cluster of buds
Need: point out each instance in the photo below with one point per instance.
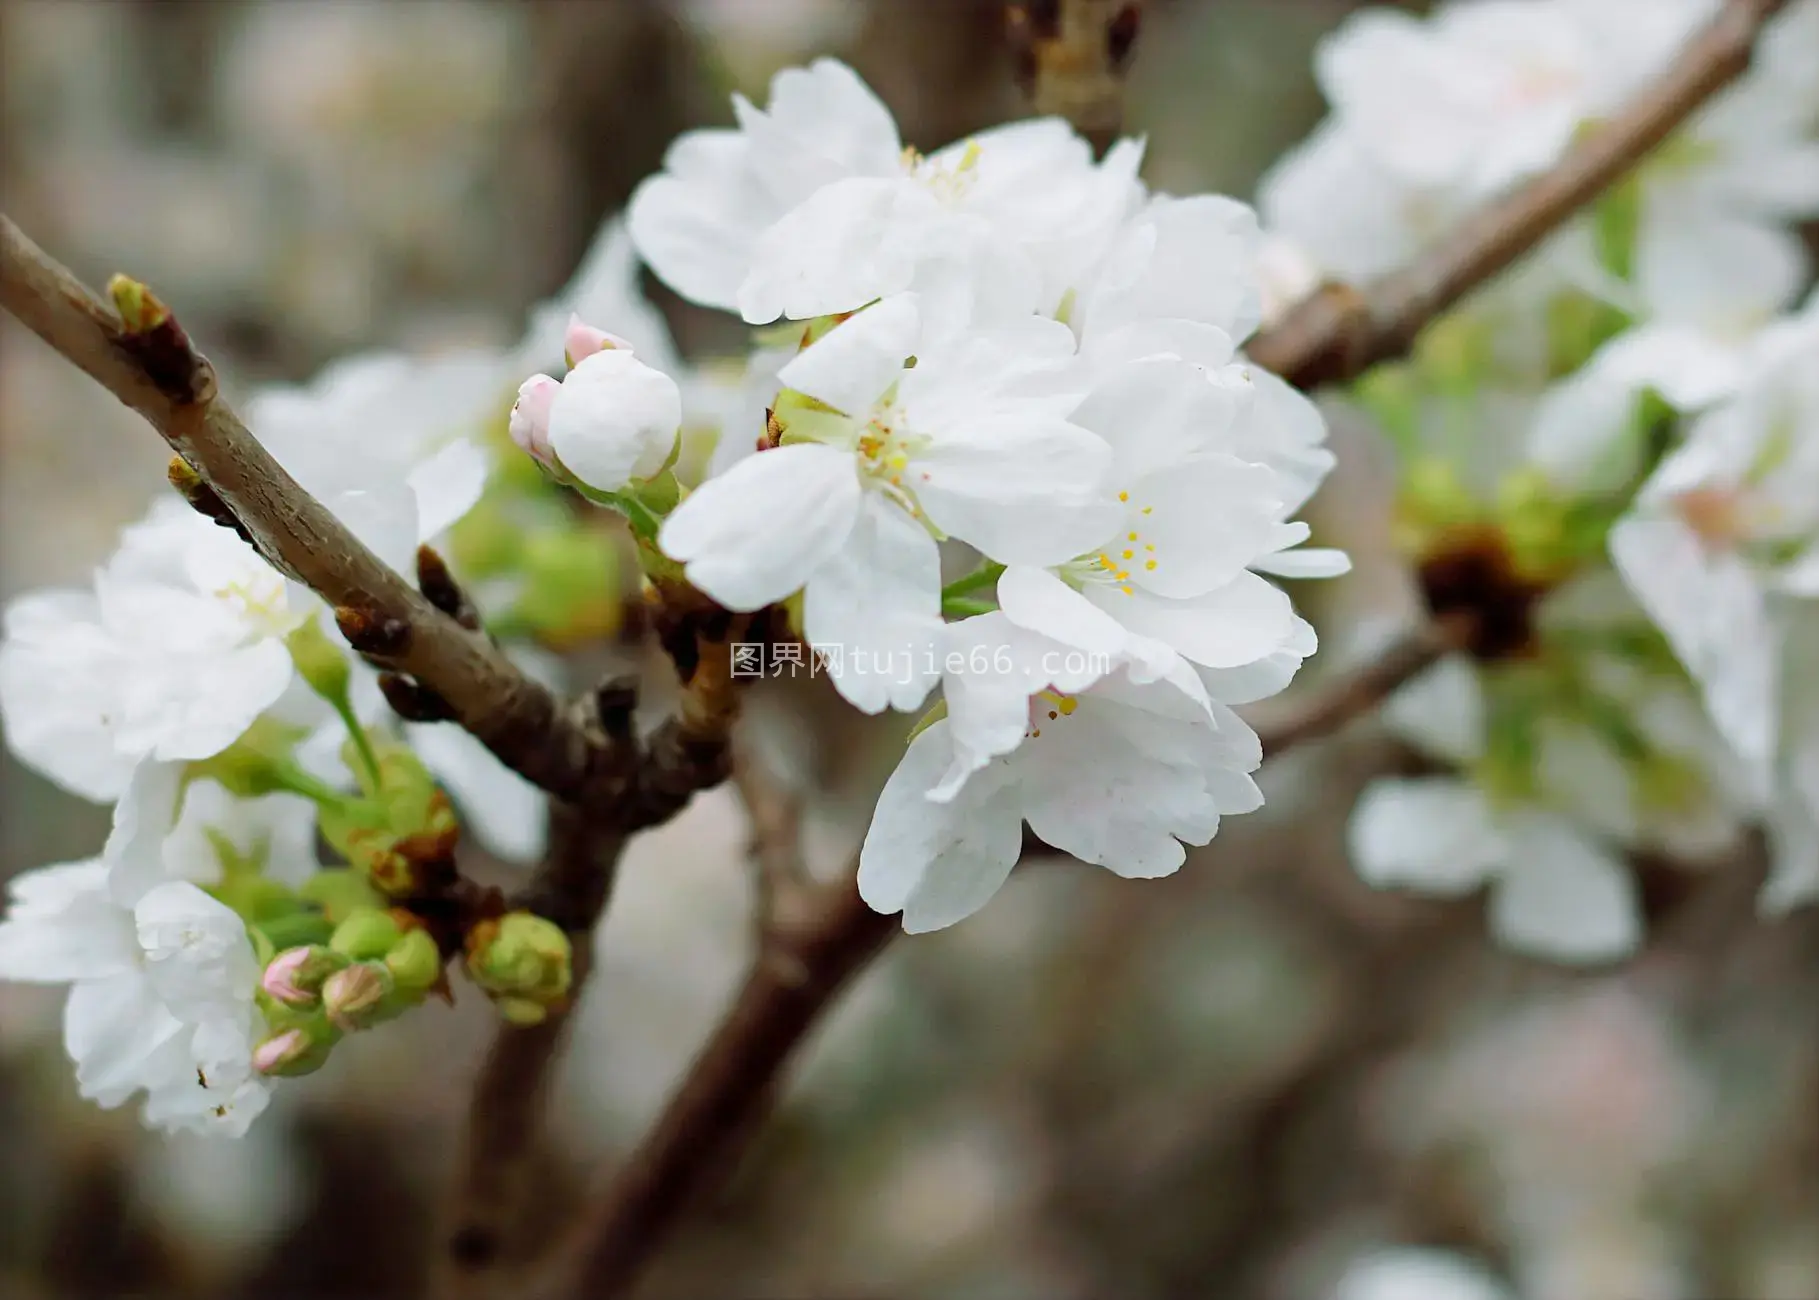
(375, 966)
(524, 963)
(402, 836)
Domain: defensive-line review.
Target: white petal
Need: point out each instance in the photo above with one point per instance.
(197, 952)
(697, 232)
(1305, 562)
(879, 600)
(142, 819)
(936, 863)
(852, 365)
(446, 486)
(1209, 519)
(1039, 601)
(1239, 623)
(1433, 834)
(847, 244)
(1020, 489)
(62, 925)
(1442, 711)
(759, 531)
(193, 707)
(614, 419)
(61, 686)
(1564, 898)
(1714, 613)
(113, 1029)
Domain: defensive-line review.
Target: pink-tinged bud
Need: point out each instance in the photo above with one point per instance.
(353, 997)
(277, 1054)
(583, 340)
(530, 418)
(295, 975)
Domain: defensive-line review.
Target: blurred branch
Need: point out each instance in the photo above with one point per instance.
(1356, 693)
(1340, 332)
(1072, 56)
(510, 1094)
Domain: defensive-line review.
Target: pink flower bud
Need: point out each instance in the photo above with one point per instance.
(353, 996)
(530, 418)
(281, 1050)
(280, 978)
(583, 340)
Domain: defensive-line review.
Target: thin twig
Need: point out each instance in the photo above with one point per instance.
(520, 721)
(1356, 693)
(1340, 332)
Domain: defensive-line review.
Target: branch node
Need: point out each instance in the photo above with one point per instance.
(413, 701)
(372, 632)
(152, 337)
(439, 587)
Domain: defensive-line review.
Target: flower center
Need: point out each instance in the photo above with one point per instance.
(947, 181)
(887, 452)
(1715, 515)
(261, 602)
(1131, 552)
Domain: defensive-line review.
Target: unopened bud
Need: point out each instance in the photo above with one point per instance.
(524, 961)
(530, 419)
(139, 308)
(616, 420)
(583, 340)
(290, 1052)
(294, 977)
(353, 996)
(415, 962)
(366, 935)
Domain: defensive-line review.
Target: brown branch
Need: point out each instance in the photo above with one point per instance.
(1340, 332)
(1332, 705)
(1072, 56)
(775, 810)
(505, 1112)
(154, 370)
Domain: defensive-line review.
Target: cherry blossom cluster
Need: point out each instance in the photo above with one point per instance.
(1014, 351)
(1639, 393)
(209, 698)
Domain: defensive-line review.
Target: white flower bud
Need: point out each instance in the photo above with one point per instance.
(529, 424)
(614, 420)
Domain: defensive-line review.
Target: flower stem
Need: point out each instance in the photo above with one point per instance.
(984, 576)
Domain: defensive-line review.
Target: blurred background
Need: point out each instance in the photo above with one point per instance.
(1253, 1079)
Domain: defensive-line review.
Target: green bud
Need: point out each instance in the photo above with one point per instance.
(260, 762)
(297, 927)
(415, 962)
(366, 935)
(570, 593)
(353, 996)
(321, 662)
(340, 892)
(521, 958)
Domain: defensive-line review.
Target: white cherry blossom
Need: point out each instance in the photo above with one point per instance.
(972, 441)
(1114, 771)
